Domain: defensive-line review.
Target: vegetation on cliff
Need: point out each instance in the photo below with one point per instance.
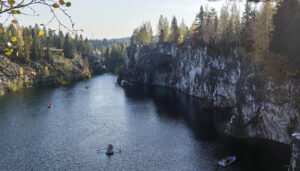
(42, 59)
(267, 38)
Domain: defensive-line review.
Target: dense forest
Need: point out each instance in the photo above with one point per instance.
(29, 45)
(112, 53)
(267, 37)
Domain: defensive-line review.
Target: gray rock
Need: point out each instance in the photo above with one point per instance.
(261, 109)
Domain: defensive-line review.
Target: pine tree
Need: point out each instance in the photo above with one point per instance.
(200, 24)
(68, 47)
(35, 47)
(174, 35)
(48, 52)
(3, 37)
(163, 29)
(286, 37)
(28, 40)
(61, 39)
(247, 32)
(183, 32)
(262, 30)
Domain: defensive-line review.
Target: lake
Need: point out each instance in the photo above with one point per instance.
(151, 128)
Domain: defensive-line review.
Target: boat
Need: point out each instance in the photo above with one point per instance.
(50, 105)
(110, 149)
(296, 135)
(225, 163)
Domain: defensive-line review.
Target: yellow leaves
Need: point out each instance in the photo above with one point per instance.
(52, 10)
(15, 12)
(68, 4)
(9, 51)
(14, 21)
(55, 5)
(41, 32)
(46, 68)
(62, 2)
(14, 39)
(11, 2)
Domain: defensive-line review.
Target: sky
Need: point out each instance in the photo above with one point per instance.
(118, 18)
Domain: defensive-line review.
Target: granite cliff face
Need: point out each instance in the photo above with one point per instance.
(260, 108)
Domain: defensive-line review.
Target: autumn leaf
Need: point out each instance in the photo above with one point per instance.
(41, 32)
(15, 12)
(68, 4)
(11, 2)
(14, 21)
(42, 25)
(8, 53)
(55, 5)
(14, 39)
(52, 10)
(62, 2)
(46, 68)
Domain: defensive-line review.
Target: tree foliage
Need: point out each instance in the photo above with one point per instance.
(29, 46)
(174, 34)
(163, 29)
(143, 34)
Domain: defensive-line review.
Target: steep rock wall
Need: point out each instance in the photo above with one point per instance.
(261, 109)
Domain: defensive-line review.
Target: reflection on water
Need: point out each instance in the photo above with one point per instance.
(156, 129)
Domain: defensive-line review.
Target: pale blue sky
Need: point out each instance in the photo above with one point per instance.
(117, 18)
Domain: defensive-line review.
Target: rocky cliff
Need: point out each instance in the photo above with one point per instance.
(260, 108)
(15, 75)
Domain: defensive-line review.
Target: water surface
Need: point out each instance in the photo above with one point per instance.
(155, 129)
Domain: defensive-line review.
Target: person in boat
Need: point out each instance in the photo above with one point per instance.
(49, 105)
(109, 147)
(228, 159)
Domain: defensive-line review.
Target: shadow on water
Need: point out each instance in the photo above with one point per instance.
(157, 128)
(207, 124)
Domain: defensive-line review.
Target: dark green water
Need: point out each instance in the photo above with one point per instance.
(155, 128)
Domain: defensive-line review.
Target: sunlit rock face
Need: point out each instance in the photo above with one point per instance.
(260, 108)
(60, 71)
